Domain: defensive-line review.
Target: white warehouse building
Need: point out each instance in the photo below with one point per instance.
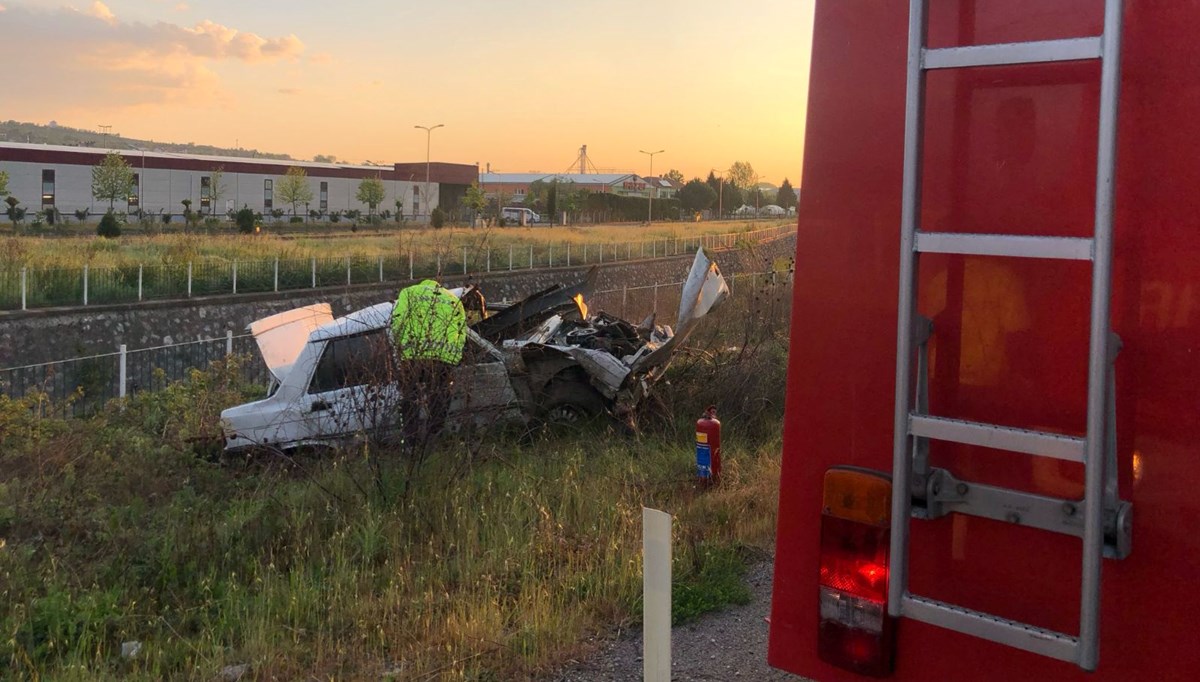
(60, 177)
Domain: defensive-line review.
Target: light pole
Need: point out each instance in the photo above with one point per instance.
(428, 134)
(650, 203)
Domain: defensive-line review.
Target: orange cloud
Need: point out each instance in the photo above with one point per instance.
(98, 58)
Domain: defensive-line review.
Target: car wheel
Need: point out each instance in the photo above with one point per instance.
(570, 404)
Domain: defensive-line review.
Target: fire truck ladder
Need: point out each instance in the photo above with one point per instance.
(1100, 518)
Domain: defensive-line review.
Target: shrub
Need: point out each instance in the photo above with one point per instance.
(212, 222)
(335, 216)
(277, 213)
(295, 219)
(437, 218)
(166, 218)
(245, 220)
(81, 214)
(109, 226)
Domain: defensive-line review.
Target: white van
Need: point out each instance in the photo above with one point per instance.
(519, 215)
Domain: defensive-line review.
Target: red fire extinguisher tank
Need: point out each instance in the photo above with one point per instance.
(708, 448)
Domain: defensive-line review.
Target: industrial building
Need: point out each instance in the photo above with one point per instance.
(513, 186)
(60, 177)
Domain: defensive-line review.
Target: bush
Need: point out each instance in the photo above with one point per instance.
(81, 214)
(245, 220)
(109, 226)
(166, 218)
(212, 222)
(277, 213)
(437, 218)
(295, 219)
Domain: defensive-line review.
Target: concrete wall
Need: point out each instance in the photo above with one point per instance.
(35, 336)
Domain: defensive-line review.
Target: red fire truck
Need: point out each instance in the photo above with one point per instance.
(992, 443)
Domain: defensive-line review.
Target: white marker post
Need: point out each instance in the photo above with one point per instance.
(656, 595)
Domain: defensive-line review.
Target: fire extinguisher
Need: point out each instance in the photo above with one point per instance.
(708, 448)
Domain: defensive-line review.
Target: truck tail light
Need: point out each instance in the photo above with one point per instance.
(855, 631)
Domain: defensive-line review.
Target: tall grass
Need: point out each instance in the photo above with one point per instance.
(224, 248)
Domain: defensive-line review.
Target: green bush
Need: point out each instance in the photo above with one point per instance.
(295, 219)
(109, 226)
(245, 220)
(437, 218)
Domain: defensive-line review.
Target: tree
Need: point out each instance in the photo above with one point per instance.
(370, 192)
(741, 174)
(294, 189)
(112, 179)
(215, 189)
(535, 196)
(109, 227)
(325, 158)
(3, 184)
(674, 175)
(552, 200)
(697, 195)
(787, 196)
(475, 200)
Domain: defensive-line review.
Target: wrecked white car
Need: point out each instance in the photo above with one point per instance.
(544, 358)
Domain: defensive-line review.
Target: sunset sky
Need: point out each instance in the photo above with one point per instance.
(519, 84)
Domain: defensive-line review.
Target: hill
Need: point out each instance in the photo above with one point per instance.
(15, 131)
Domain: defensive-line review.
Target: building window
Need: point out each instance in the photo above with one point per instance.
(324, 196)
(268, 193)
(416, 201)
(205, 192)
(47, 188)
(134, 192)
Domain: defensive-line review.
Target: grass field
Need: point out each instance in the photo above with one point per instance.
(497, 560)
(202, 248)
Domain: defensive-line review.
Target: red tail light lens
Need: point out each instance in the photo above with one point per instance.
(855, 631)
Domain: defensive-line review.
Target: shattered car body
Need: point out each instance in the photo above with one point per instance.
(545, 357)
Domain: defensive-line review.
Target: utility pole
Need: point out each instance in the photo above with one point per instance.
(428, 134)
(650, 203)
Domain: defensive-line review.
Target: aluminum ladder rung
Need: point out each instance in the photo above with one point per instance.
(1057, 446)
(993, 628)
(1002, 54)
(1017, 246)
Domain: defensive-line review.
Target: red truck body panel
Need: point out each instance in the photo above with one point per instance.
(1007, 150)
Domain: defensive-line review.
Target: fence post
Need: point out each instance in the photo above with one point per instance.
(189, 283)
(654, 249)
(585, 253)
(121, 372)
(551, 255)
(228, 342)
(381, 268)
(277, 273)
(601, 253)
(643, 247)
(25, 287)
(439, 265)
(235, 276)
(140, 266)
(464, 260)
(347, 270)
(656, 297)
(568, 254)
(628, 250)
(624, 298)
(85, 283)
(410, 264)
(489, 259)
(510, 254)
(531, 256)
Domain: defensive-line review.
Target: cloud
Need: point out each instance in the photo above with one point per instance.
(101, 12)
(182, 7)
(99, 60)
(289, 91)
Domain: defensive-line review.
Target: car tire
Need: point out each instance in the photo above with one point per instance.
(570, 404)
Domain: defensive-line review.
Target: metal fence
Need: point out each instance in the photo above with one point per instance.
(81, 386)
(25, 288)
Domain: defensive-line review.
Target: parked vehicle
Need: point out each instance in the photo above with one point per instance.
(991, 432)
(520, 215)
(544, 358)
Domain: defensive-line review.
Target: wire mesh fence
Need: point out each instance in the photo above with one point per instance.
(80, 386)
(33, 287)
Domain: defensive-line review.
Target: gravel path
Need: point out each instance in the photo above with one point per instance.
(727, 645)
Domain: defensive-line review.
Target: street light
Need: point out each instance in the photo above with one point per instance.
(650, 203)
(428, 134)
